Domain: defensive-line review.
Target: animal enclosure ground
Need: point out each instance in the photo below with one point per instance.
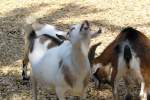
(111, 16)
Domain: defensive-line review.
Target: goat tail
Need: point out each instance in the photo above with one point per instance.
(29, 33)
(127, 54)
(91, 53)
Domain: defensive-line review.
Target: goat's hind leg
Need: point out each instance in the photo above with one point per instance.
(34, 88)
(127, 84)
(143, 92)
(115, 79)
(24, 68)
(115, 89)
(60, 92)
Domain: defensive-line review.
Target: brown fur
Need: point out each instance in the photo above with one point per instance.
(143, 51)
(43, 39)
(107, 57)
(141, 46)
(51, 43)
(86, 81)
(68, 76)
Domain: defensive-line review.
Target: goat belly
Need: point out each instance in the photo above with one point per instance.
(47, 68)
(38, 52)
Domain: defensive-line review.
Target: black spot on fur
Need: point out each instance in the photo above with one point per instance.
(148, 96)
(128, 97)
(54, 39)
(118, 49)
(130, 33)
(85, 23)
(31, 45)
(31, 37)
(60, 63)
(61, 37)
(127, 54)
(92, 52)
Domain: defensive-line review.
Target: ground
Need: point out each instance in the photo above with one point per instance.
(110, 15)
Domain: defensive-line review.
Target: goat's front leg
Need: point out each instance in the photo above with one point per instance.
(60, 93)
(143, 92)
(34, 88)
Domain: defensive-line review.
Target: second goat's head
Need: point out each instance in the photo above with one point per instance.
(81, 32)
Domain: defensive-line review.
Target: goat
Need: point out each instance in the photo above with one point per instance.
(101, 74)
(46, 37)
(66, 67)
(129, 56)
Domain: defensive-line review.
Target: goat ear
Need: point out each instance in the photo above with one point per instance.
(96, 33)
(84, 26)
(61, 37)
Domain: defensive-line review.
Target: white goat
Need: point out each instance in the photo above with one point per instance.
(66, 67)
(43, 36)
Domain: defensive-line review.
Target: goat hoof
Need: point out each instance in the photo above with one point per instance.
(148, 97)
(26, 78)
(128, 97)
(76, 98)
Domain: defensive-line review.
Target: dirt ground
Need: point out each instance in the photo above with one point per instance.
(110, 15)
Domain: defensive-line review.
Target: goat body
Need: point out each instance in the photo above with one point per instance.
(66, 67)
(39, 38)
(58, 68)
(128, 54)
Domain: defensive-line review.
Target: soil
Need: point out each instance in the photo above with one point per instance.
(111, 16)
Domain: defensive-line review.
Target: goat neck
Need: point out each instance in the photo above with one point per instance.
(79, 56)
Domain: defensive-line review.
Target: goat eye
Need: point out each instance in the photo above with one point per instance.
(68, 34)
(72, 29)
(86, 28)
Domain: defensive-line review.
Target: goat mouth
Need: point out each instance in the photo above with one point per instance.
(99, 31)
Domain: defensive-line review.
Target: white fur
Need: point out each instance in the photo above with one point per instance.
(110, 72)
(41, 70)
(134, 70)
(95, 67)
(40, 49)
(134, 64)
(50, 30)
(108, 69)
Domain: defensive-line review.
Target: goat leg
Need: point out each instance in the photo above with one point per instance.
(24, 68)
(60, 93)
(143, 92)
(127, 83)
(34, 88)
(115, 83)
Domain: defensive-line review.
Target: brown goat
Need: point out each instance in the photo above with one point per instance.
(128, 54)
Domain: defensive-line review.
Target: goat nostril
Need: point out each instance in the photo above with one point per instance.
(99, 31)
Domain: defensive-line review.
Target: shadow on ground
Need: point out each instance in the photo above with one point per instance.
(12, 41)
